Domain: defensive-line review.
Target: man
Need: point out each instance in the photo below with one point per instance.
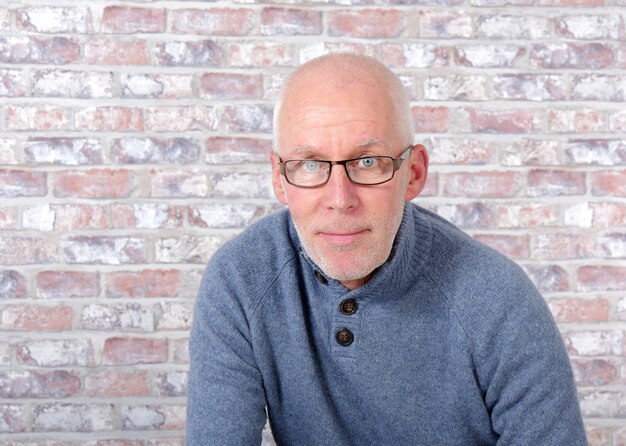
(358, 318)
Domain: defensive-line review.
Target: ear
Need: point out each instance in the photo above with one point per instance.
(277, 179)
(418, 171)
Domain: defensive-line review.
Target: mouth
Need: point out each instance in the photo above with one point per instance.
(343, 238)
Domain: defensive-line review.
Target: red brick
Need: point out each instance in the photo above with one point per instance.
(488, 55)
(65, 417)
(598, 436)
(589, 27)
(507, 26)
(602, 403)
(67, 284)
(117, 317)
(59, 150)
(180, 118)
(14, 418)
(72, 217)
(12, 285)
(549, 183)
(496, 121)
(72, 84)
(104, 250)
(38, 50)
(37, 318)
(606, 215)
(563, 246)
(601, 278)
(21, 183)
(8, 217)
(213, 21)
(365, 23)
(529, 87)
(12, 83)
(116, 52)
(548, 278)
(527, 216)
(580, 310)
(153, 417)
(512, 246)
(606, 152)
(531, 152)
(158, 85)
(592, 56)
(56, 353)
(445, 25)
(40, 118)
(116, 383)
(430, 119)
(129, 351)
(39, 384)
(613, 245)
(609, 183)
(51, 19)
(110, 119)
(259, 55)
(132, 20)
(246, 119)
(27, 250)
(431, 188)
(290, 22)
(594, 372)
(231, 86)
(187, 249)
(472, 215)
(172, 184)
(482, 184)
(203, 53)
(593, 342)
(147, 283)
(146, 216)
(223, 150)
(95, 183)
(576, 121)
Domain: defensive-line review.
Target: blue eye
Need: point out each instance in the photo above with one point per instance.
(311, 166)
(367, 163)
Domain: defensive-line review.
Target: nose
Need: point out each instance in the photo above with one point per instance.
(340, 192)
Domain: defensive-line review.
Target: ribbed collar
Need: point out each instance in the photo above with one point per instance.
(409, 253)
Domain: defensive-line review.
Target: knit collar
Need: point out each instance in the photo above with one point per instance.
(409, 253)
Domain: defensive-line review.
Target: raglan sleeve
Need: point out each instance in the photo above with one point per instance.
(225, 398)
(529, 387)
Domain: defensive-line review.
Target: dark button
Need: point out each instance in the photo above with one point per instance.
(344, 337)
(320, 277)
(348, 306)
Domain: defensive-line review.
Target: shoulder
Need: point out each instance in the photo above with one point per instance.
(485, 289)
(247, 265)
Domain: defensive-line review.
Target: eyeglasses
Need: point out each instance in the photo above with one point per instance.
(368, 170)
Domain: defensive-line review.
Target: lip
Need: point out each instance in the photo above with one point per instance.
(343, 238)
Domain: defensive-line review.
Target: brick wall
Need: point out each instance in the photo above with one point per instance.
(133, 140)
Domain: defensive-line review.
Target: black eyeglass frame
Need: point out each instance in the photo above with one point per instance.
(396, 163)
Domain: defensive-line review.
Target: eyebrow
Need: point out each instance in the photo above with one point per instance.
(361, 144)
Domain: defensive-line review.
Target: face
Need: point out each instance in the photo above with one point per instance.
(347, 229)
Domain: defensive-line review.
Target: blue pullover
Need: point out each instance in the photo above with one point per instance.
(448, 344)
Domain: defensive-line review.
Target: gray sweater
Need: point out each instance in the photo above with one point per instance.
(448, 344)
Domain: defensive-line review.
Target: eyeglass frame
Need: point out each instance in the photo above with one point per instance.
(396, 164)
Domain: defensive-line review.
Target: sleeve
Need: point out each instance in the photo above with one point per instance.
(225, 399)
(528, 381)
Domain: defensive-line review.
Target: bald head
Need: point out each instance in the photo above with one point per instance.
(331, 76)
